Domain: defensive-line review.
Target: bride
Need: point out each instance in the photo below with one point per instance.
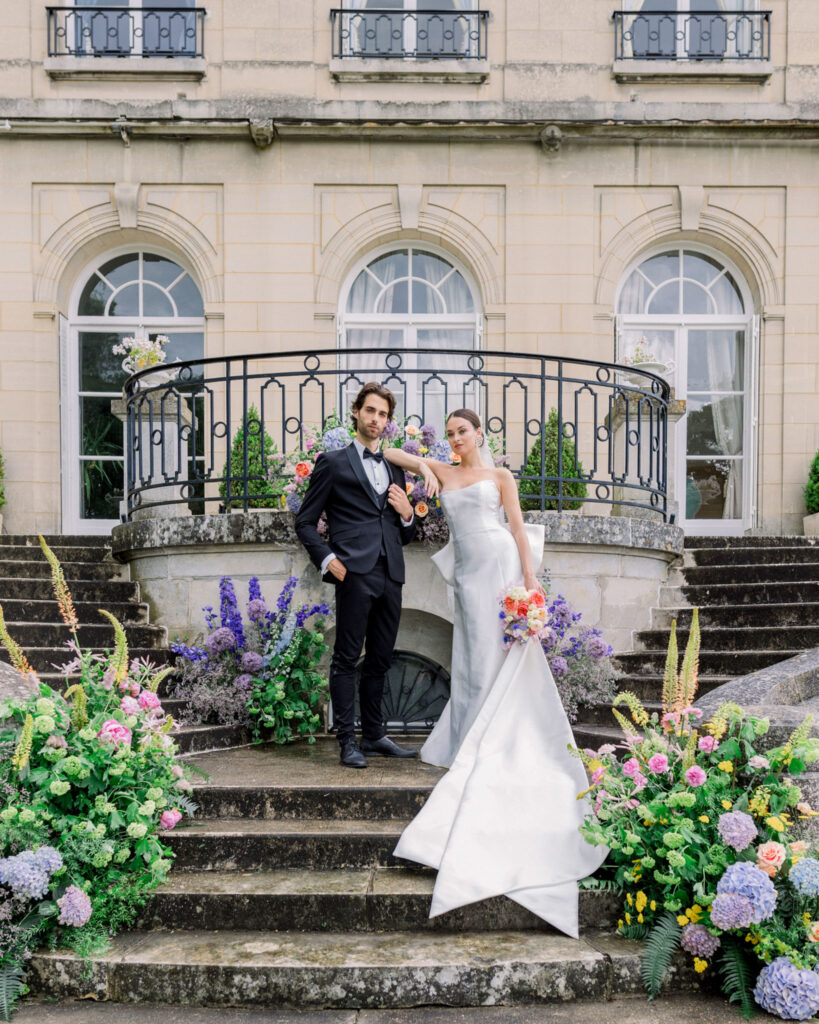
(505, 817)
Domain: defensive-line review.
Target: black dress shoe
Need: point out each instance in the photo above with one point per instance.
(385, 748)
(351, 756)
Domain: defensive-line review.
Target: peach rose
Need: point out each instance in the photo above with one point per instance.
(813, 931)
(421, 510)
(454, 457)
(302, 469)
(537, 599)
(410, 488)
(770, 857)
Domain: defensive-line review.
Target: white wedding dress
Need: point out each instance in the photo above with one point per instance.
(505, 817)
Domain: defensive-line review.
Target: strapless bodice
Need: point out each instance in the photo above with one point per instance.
(475, 508)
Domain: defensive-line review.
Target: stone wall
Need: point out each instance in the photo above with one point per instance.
(610, 568)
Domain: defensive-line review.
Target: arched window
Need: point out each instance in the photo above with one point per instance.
(120, 296)
(687, 315)
(407, 299)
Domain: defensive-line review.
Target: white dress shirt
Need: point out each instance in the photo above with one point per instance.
(379, 477)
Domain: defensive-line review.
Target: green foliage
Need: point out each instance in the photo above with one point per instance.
(12, 986)
(571, 468)
(2, 488)
(660, 946)
(737, 977)
(261, 459)
(811, 488)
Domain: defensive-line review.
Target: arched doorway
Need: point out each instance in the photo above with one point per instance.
(689, 311)
(119, 295)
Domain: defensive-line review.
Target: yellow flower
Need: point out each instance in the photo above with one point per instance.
(700, 965)
(620, 925)
(694, 913)
(628, 918)
(653, 905)
(424, 450)
(682, 920)
(640, 918)
(629, 900)
(775, 823)
(725, 766)
(704, 819)
(727, 805)
(641, 901)
(595, 764)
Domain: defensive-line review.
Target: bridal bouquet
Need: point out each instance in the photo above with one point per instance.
(523, 613)
(706, 844)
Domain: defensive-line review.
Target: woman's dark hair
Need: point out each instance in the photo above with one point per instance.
(466, 414)
(373, 388)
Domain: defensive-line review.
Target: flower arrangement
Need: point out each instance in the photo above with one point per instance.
(89, 781)
(638, 355)
(141, 352)
(704, 847)
(523, 614)
(262, 673)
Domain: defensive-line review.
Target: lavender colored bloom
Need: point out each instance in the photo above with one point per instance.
(746, 879)
(24, 875)
(220, 640)
(786, 991)
(698, 940)
(548, 638)
(256, 609)
(229, 610)
(730, 910)
(189, 653)
(737, 829)
(306, 612)
(805, 876)
(293, 503)
(561, 612)
(390, 430)
(75, 907)
(254, 589)
(243, 682)
(419, 492)
(252, 662)
(411, 447)
(210, 616)
(285, 597)
(48, 859)
(597, 647)
(559, 666)
(428, 435)
(339, 437)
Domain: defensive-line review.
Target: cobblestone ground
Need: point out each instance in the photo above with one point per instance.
(673, 1010)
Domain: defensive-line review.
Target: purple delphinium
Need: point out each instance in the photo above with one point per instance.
(786, 991)
(220, 640)
(729, 910)
(737, 829)
(285, 597)
(746, 879)
(696, 939)
(256, 609)
(306, 612)
(231, 617)
(252, 662)
(189, 653)
(254, 589)
(75, 907)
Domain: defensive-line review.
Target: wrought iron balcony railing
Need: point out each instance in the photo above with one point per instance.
(429, 35)
(126, 31)
(692, 35)
(202, 433)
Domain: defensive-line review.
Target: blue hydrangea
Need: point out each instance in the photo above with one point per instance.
(335, 438)
(441, 451)
(746, 879)
(696, 939)
(737, 829)
(49, 859)
(729, 910)
(293, 503)
(75, 907)
(805, 876)
(786, 991)
(24, 875)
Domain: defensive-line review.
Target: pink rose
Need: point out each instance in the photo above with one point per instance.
(114, 732)
(695, 776)
(134, 689)
(129, 706)
(149, 700)
(658, 763)
(640, 781)
(707, 744)
(170, 819)
(631, 767)
(770, 857)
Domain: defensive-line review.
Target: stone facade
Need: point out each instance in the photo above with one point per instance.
(267, 169)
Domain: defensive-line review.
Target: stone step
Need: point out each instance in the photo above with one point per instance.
(778, 555)
(692, 541)
(41, 570)
(749, 575)
(739, 615)
(49, 660)
(128, 612)
(743, 638)
(97, 592)
(593, 736)
(348, 970)
(263, 844)
(600, 713)
(733, 663)
(195, 739)
(65, 553)
(363, 900)
(649, 687)
(97, 636)
(740, 593)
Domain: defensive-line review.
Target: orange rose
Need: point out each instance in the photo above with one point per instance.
(302, 469)
(770, 857)
(813, 931)
(421, 509)
(537, 599)
(454, 457)
(510, 604)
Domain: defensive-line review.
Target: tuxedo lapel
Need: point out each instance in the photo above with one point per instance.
(358, 469)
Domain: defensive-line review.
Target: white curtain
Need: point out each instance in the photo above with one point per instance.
(727, 413)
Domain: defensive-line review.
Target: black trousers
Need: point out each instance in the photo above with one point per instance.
(368, 609)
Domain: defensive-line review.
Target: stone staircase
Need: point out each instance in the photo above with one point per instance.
(759, 604)
(285, 893)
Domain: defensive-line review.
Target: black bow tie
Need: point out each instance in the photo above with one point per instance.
(378, 456)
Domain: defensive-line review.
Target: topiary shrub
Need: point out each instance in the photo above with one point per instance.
(261, 491)
(811, 488)
(571, 488)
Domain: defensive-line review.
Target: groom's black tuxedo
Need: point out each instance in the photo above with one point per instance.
(367, 536)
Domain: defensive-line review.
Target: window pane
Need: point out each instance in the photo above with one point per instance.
(646, 345)
(635, 293)
(456, 294)
(388, 268)
(727, 296)
(662, 268)
(428, 267)
(394, 300)
(159, 270)
(716, 360)
(93, 298)
(375, 337)
(425, 299)
(155, 302)
(102, 489)
(101, 432)
(363, 293)
(715, 425)
(696, 299)
(122, 269)
(666, 299)
(713, 489)
(125, 302)
(700, 268)
(187, 298)
(100, 369)
(185, 346)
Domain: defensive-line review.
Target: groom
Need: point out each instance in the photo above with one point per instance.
(370, 519)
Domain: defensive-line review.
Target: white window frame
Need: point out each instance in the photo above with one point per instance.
(679, 324)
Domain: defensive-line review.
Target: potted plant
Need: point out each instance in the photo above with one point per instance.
(641, 358)
(141, 352)
(811, 520)
(2, 491)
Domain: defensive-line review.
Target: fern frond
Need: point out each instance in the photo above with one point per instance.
(660, 945)
(16, 656)
(12, 980)
(624, 723)
(185, 804)
(22, 751)
(670, 673)
(156, 679)
(737, 979)
(635, 706)
(60, 587)
(119, 659)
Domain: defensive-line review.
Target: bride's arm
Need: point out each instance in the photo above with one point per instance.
(432, 471)
(511, 505)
